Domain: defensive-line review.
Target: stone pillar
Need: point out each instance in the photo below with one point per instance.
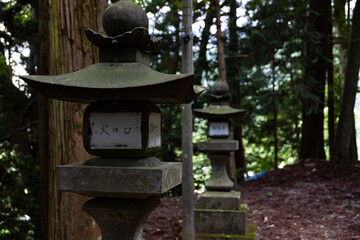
(121, 219)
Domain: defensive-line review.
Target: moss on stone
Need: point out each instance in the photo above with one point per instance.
(251, 235)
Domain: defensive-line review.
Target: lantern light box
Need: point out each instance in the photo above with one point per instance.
(219, 129)
(122, 128)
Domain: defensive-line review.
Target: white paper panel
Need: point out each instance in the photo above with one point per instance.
(115, 130)
(154, 130)
(218, 128)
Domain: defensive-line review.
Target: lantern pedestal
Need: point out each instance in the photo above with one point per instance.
(126, 191)
(112, 180)
(219, 155)
(121, 219)
(219, 212)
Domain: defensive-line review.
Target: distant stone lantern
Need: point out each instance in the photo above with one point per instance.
(122, 126)
(219, 146)
(219, 212)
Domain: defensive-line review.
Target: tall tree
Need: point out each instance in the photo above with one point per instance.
(234, 77)
(343, 30)
(344, 132)
(312, 139)
(220, 42)
(201, 63)
(63, 48)
(342, 26)
(331, 89)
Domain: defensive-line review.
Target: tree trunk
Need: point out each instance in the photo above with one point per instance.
(234, 77)
(64, 48)
(312, 140)
(275, 113)
(345, 128)
(330, 86)
(220, 43)
(201, 62)
(343, 31)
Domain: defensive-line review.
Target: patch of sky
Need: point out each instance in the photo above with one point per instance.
(357, 119)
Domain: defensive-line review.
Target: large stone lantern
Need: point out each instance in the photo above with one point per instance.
(219, 213)
(122, 126)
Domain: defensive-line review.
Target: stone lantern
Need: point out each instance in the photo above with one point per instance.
(122, 126)
(219, 212)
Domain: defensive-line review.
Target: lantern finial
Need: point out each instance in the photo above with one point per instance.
(123, 16)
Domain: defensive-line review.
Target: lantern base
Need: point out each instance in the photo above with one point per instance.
(219, 200)
(121, 219)
(219, 180)
(131, 178)
(220, 214)
(219, 146)
(216, 221)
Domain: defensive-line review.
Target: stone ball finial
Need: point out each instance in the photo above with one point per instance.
(122, 17)
(220, 92)
(220, 88)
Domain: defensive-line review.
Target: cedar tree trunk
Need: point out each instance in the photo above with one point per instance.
(312, 139)
(345, 129)
(63, 48)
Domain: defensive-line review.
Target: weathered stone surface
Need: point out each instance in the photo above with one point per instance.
(124, 55)
(219, 146)
(123, 16)
(122, 81)
(250, 235)
(121, 219)
(126, 182)
(217, 221)
(219, 180)
(124, 162)
(219, 200)
(219, 109)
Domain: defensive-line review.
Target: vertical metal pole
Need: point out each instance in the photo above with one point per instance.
(187, 146)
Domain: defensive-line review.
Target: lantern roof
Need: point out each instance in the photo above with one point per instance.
(117, 81)
(123, 72)
(220, 94)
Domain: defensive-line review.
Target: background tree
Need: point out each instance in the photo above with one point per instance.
(312, 130)
(64, 48)
(344, 132)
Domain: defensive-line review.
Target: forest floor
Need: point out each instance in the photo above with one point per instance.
(308, 200)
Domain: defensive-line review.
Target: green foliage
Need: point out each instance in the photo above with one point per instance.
(270, 80)
(19, 187)
(201, 163)
(19, 167)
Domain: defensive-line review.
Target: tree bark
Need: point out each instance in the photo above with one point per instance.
(345, 128)
(312, 140)
(275, 113)
(220, 43)
(63, 48)
(330, 85)
(234, 77)
(201, 62)
(343, 31)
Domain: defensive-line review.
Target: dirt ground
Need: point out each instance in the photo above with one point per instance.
(309, 200)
